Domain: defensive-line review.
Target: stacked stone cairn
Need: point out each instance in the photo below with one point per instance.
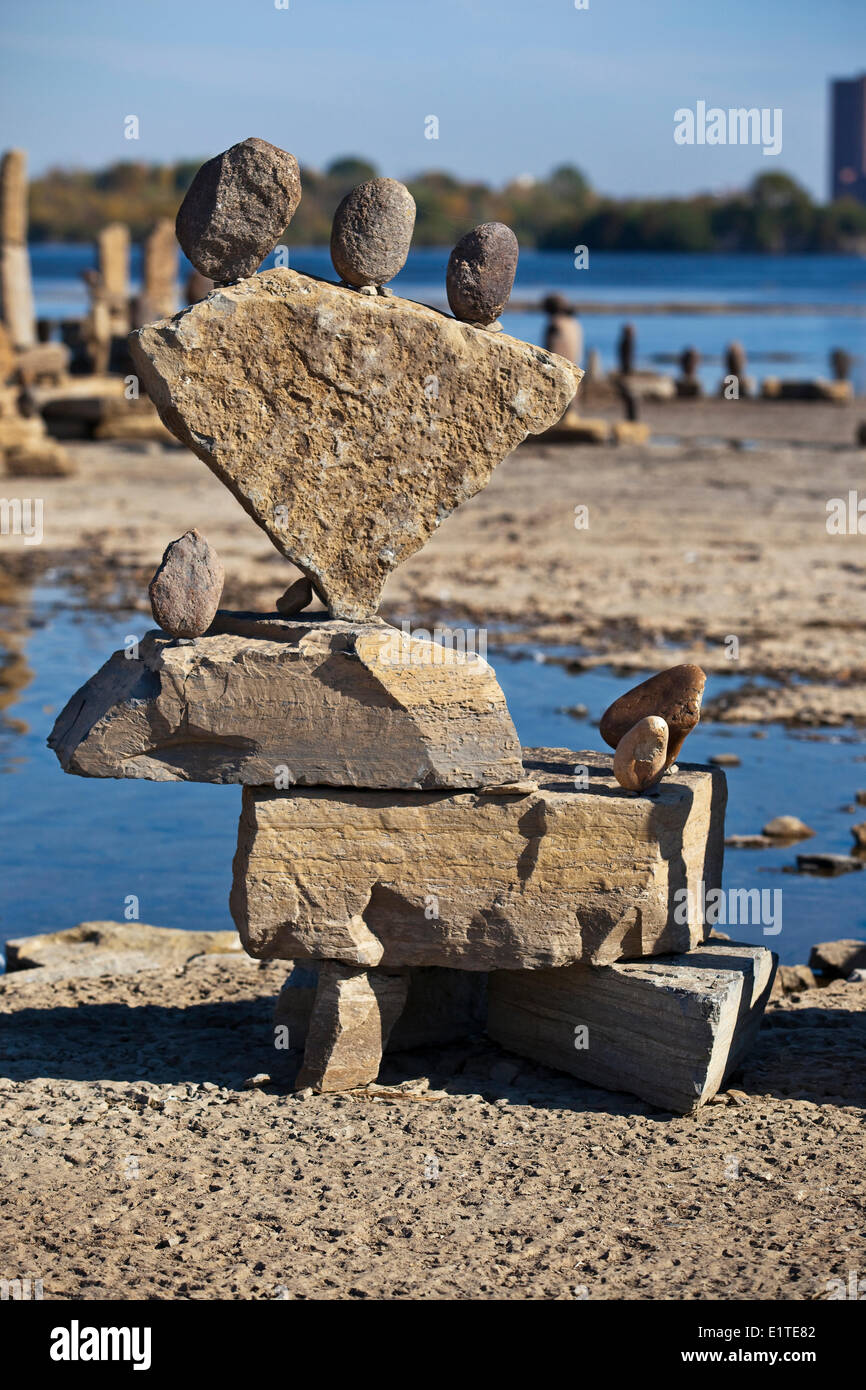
(421, 871)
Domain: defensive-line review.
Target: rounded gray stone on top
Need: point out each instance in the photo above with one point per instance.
(186, 590)
(372, 232)
(236, 209)
(481, 271)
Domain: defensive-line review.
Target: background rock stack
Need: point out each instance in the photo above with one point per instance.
(395, 842)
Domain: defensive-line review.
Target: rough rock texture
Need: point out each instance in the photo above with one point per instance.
(480, 881)
(667, 1030)
(102, 948)
(674, 694)
(347, 426)
(442, 1006)
(186, 590)
(280, 702)
(236, 208)
(640, 755)
(837, 959)
(372, 232)
(353, 1014)
(481, 271)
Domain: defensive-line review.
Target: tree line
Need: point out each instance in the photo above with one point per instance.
(560, 212)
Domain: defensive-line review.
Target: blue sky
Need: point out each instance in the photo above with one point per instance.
(518, 86)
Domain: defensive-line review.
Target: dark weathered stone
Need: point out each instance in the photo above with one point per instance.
(297, 597)
(236, 208)
(481, 271)
(372, 232)
(185, 592)
(674, 695)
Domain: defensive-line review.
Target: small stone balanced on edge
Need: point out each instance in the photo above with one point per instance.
(477, 869)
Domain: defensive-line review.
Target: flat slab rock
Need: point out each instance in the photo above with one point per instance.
(668, 1030)
(293, 701)
(99, 948)
(481, 881)
(348, 426)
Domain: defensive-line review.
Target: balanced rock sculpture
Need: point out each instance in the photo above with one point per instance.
(393, 833)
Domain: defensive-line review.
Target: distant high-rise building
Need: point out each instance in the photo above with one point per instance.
(848, 150)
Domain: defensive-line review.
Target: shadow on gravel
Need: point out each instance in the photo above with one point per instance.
(809, 1054)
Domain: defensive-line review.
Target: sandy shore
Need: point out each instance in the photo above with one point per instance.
(136, 1165)
(718, 530)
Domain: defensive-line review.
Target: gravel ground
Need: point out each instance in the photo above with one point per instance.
(136, 1164)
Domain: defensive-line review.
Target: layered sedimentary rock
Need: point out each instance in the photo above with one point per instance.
(286, 701)
(667, 1030)
(347, 426)
(477, 880)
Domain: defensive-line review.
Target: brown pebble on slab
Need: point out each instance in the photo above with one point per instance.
(674, 695)
(185, 592)
(237, 207)
(297, 597)
(372, 232)
(639, 760)
(481, 271)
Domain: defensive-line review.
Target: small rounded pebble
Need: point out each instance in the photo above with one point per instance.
(481, 271)
(372, 232)
(639, 760)
(236, 209)
(186, 590)
(787, 828)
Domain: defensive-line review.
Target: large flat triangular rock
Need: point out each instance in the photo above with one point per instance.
(348, 426)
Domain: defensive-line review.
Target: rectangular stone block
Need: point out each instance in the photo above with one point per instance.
(667, 1030)
(481, 880)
